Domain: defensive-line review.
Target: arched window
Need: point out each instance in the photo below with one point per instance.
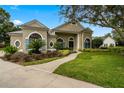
(87, 43)
(71, 39)
(34, 36)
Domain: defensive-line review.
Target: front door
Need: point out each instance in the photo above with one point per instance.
(71, 45)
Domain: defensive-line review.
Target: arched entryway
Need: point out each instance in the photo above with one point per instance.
(87, 43)
(32, 36)
(60, 41)
(71, 43)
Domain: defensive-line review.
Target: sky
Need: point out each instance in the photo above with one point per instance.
(46, 14)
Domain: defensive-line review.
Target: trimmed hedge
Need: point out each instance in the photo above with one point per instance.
(64, 52)
(116, 49)
(95, 50)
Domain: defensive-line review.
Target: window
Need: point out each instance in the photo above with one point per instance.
(51, 44)
(34, 36)
(17, 44)
(87, 43)
(71, 39)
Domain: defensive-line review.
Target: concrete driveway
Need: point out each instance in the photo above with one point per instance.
(38, 76)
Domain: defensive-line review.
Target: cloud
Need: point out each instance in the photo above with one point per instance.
(17, 22)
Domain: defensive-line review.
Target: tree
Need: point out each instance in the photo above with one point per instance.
(107, 35)
(97, 42)
(6, 26)
(110, 16)
(117, 38)
(36, 44)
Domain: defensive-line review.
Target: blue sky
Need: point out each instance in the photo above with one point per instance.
(48, 15)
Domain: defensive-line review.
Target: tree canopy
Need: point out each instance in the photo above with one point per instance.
(111, 16)
(6, 26)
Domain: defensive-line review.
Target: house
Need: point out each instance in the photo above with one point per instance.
(73, 36)
(109, 42)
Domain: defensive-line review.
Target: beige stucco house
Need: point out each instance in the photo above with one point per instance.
(73, 36)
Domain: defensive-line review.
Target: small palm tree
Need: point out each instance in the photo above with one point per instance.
(36, 44)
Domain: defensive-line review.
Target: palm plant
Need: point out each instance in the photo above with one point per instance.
(36, 44)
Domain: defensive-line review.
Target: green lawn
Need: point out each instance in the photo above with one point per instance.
(101, 68)
(39, 61)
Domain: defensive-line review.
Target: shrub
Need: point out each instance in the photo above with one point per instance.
(2, 45)
(10, 50)
(35, 45)
(59, 46)
(64, 52)
(54, 54)
(103, 47)
(87, 50)
(38, 56)
(96, 50)
(6, 57)
(21, 57)
(116, 49)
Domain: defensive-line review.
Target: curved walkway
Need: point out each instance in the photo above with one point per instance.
(39, 76)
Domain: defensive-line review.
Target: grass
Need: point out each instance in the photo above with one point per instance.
(101, 68)
(39, 61)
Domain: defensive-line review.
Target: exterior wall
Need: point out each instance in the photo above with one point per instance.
(50, 39)
(66, 37)
(109, 41)
(27, 33)
(16, 37)
(86, 35)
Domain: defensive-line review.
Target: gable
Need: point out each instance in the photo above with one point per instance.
(69, 27)
(35, 23)
(109, 40)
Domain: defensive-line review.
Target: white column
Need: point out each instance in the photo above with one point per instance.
(78, 41)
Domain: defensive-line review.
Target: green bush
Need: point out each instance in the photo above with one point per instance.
(64, 52)
(116, 49)
(59, 46)
(35, 45)
(10, 50)
(96, 50)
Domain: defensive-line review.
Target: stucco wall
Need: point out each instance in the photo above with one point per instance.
(27, 33)
(66, 38)
(16, 38)
(86, 35)
(50, 39)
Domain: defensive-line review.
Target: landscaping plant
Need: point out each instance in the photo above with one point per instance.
(59, 46)
(35, 45)
(10, 50)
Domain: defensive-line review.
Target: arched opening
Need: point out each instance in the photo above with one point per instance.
(87, 43)
(34, 36)
(60, 42)
(71, 43)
